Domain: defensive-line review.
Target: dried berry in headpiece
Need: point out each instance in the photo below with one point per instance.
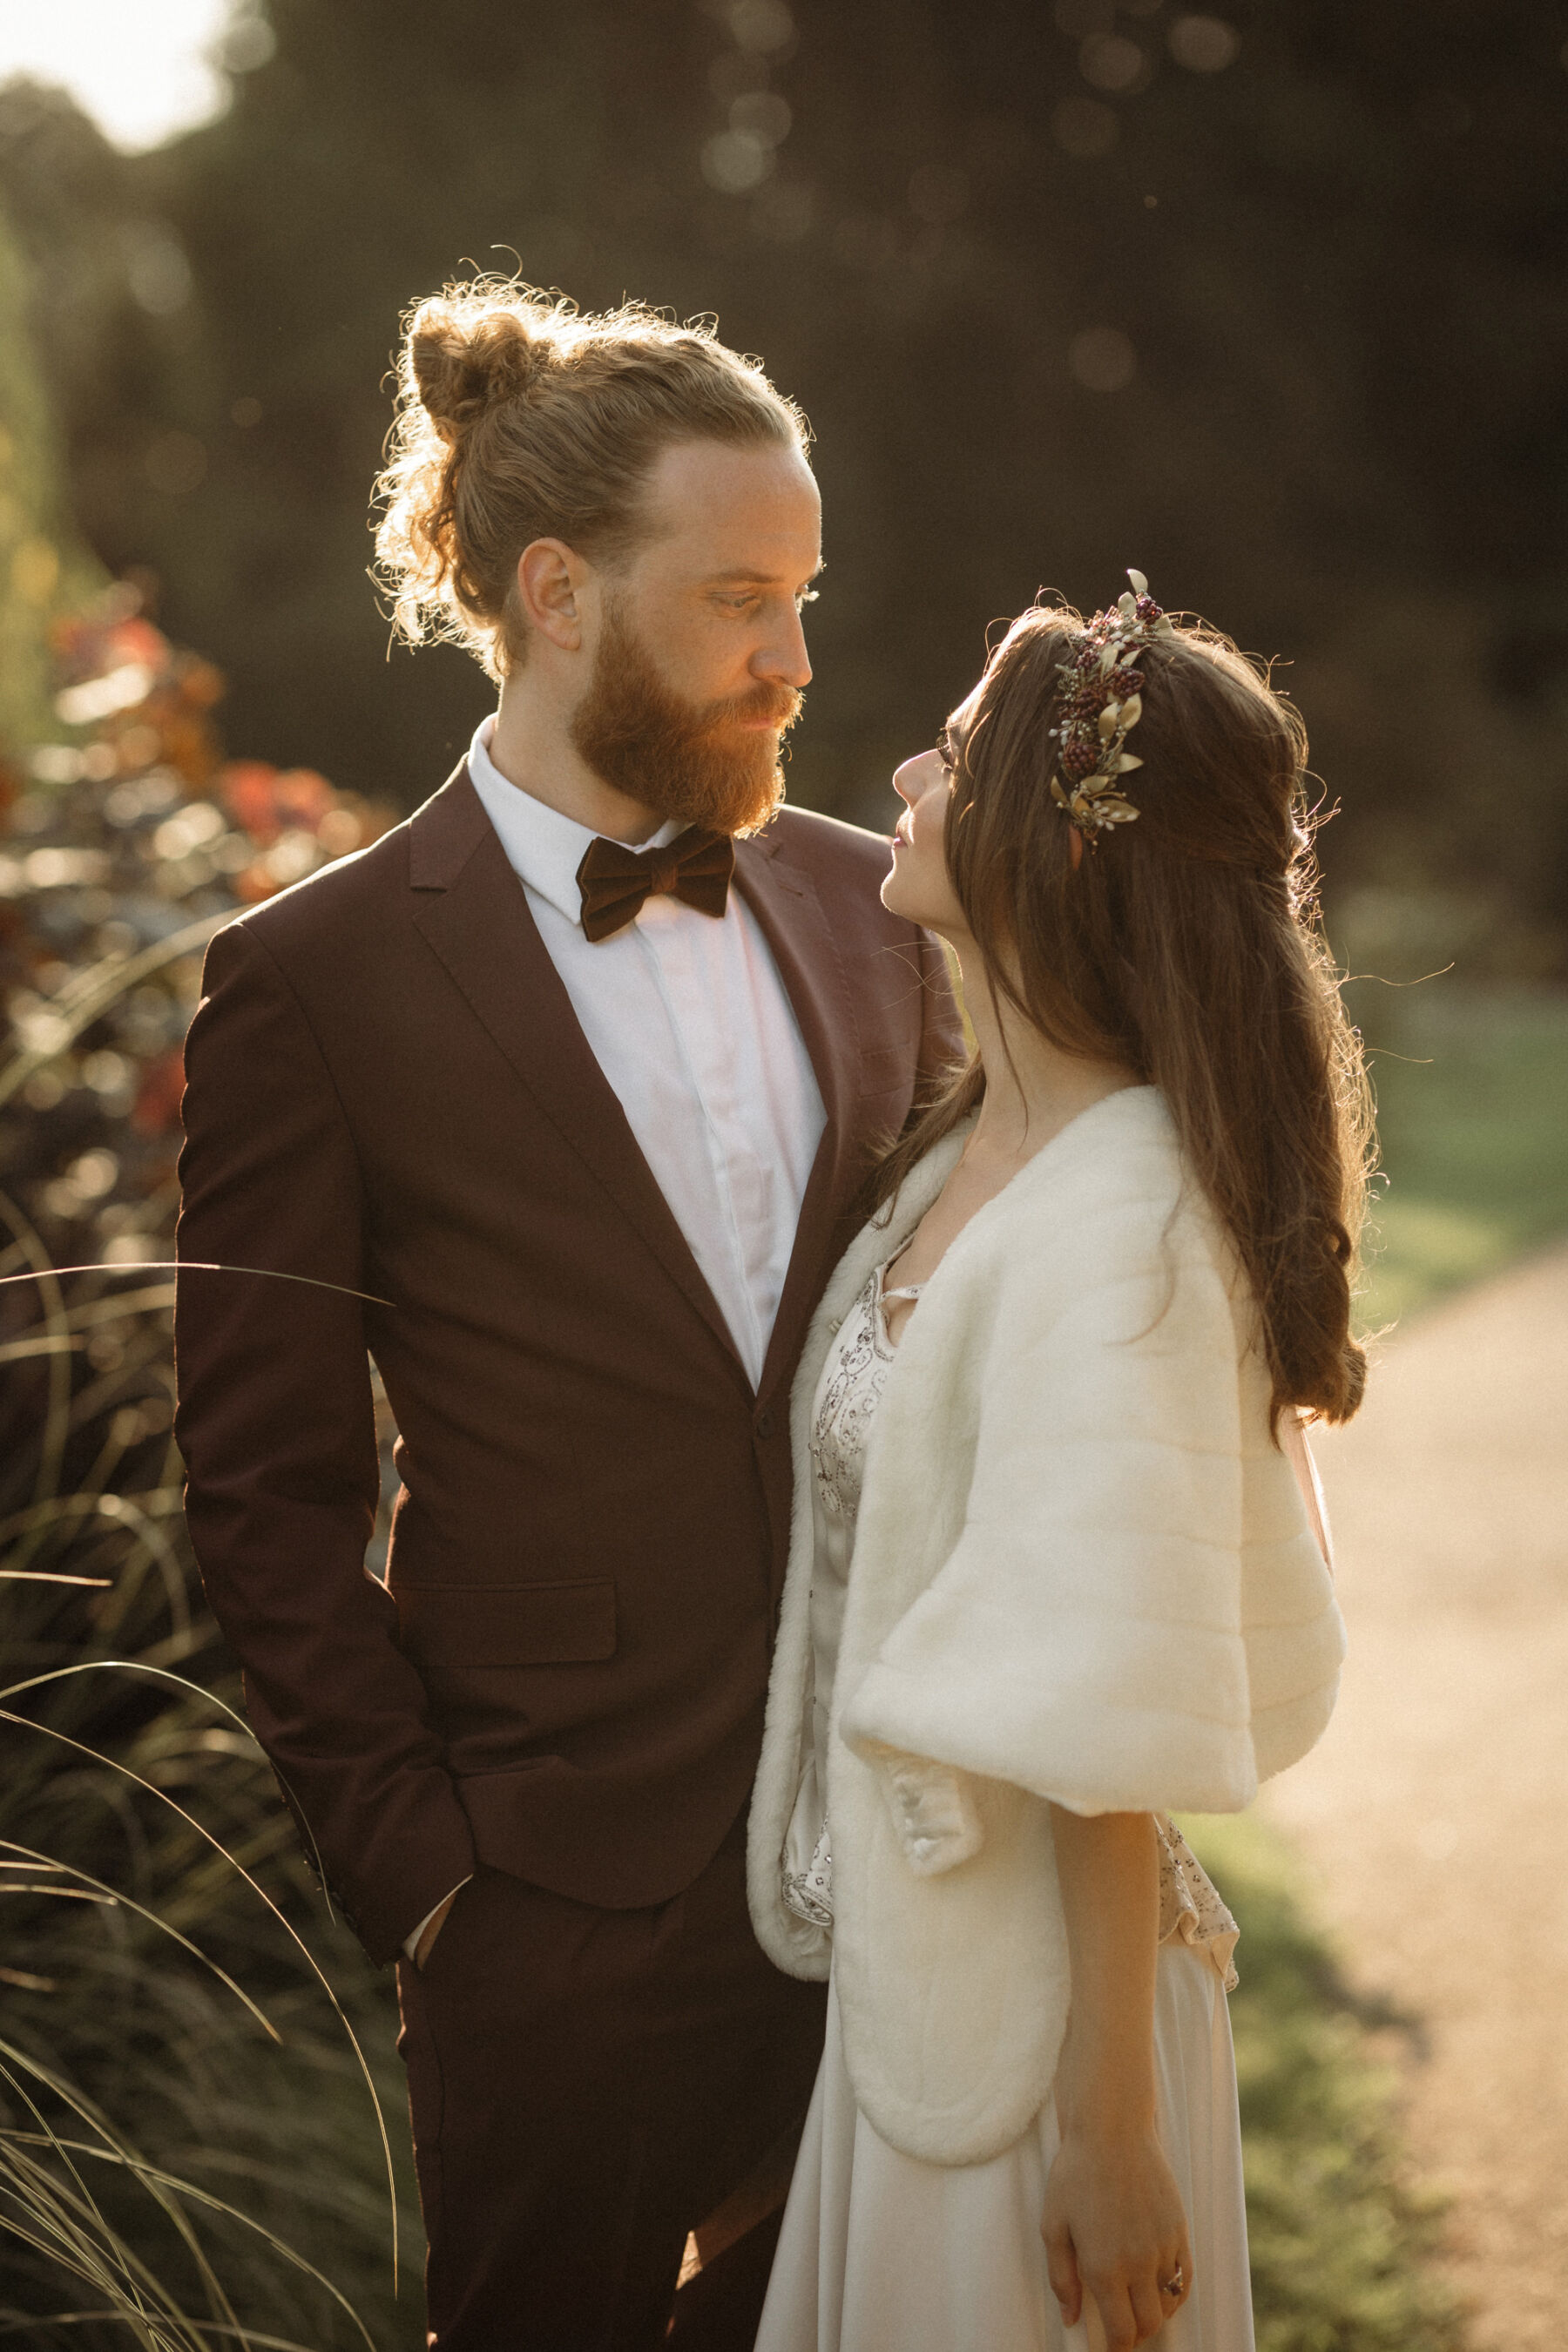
(1102, 702)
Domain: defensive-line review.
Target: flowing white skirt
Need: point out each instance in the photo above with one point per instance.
(880, 2252)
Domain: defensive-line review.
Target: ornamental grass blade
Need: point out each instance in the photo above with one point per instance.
(50, 1731)
(151, 2176)
(192, 1265)
(101, 1892)
(75, 2228)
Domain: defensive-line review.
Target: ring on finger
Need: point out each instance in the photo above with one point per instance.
(1175, 2284)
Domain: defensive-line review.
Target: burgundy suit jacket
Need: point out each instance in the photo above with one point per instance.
(564, 1674)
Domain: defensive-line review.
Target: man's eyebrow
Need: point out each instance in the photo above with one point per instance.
(747, 579)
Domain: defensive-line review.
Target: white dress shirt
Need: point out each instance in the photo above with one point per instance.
(688, 1019)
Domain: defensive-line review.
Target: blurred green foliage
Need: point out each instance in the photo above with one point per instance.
(1472, 1096)
(1340, 2240)
(1270, 303)
(43, 570)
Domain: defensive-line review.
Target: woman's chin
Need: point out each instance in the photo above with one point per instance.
(900, 895)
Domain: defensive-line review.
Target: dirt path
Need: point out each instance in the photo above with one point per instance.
(1436, 1812)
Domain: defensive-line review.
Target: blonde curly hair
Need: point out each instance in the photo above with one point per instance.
(519, 417)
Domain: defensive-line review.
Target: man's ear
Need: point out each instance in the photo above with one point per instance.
(551, 580)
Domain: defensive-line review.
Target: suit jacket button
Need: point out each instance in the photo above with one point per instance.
(764, 1424)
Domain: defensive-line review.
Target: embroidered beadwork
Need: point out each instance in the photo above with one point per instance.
(850, 1402)
(1190, 1904)
(809, 1893)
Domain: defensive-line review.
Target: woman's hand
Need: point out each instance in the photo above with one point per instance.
(1113, 2225)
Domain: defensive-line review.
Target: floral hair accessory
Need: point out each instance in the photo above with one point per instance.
(1103, 689)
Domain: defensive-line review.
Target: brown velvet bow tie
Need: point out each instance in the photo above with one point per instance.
(615, 881)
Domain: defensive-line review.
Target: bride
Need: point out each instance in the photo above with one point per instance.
(1058, 1562)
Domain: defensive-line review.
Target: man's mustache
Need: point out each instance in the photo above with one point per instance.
(779, 707)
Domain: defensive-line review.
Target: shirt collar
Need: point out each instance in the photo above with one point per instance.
(543, 847)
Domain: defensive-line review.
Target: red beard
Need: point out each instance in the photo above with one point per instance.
(697, 764)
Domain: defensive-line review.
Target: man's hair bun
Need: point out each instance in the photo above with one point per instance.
(465, 358)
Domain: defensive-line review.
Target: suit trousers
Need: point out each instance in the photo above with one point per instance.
(586, 2086)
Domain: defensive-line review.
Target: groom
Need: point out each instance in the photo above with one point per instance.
(559, 1100)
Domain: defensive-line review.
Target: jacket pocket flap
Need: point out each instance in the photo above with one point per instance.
(508, 1624)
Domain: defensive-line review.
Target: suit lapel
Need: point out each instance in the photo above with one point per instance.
(784, 898)
(474, 913)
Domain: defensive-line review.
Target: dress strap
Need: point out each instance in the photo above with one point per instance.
(913, 1290)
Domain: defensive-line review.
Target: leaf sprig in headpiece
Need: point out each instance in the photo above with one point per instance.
(1103, 686)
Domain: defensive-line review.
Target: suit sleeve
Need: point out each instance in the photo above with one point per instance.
(1083, 1639)
(276, 1429)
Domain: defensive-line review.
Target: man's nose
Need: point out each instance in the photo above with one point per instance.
(785, 658)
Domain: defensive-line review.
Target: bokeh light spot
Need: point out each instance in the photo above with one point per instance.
(763, 27)
(144, 73)
(1102, 358)
(735, 162)
(156, 269)
(1202, 44)
(249, 43)
(1110, 61)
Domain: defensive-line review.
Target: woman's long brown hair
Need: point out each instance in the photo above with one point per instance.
(1187, 946)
